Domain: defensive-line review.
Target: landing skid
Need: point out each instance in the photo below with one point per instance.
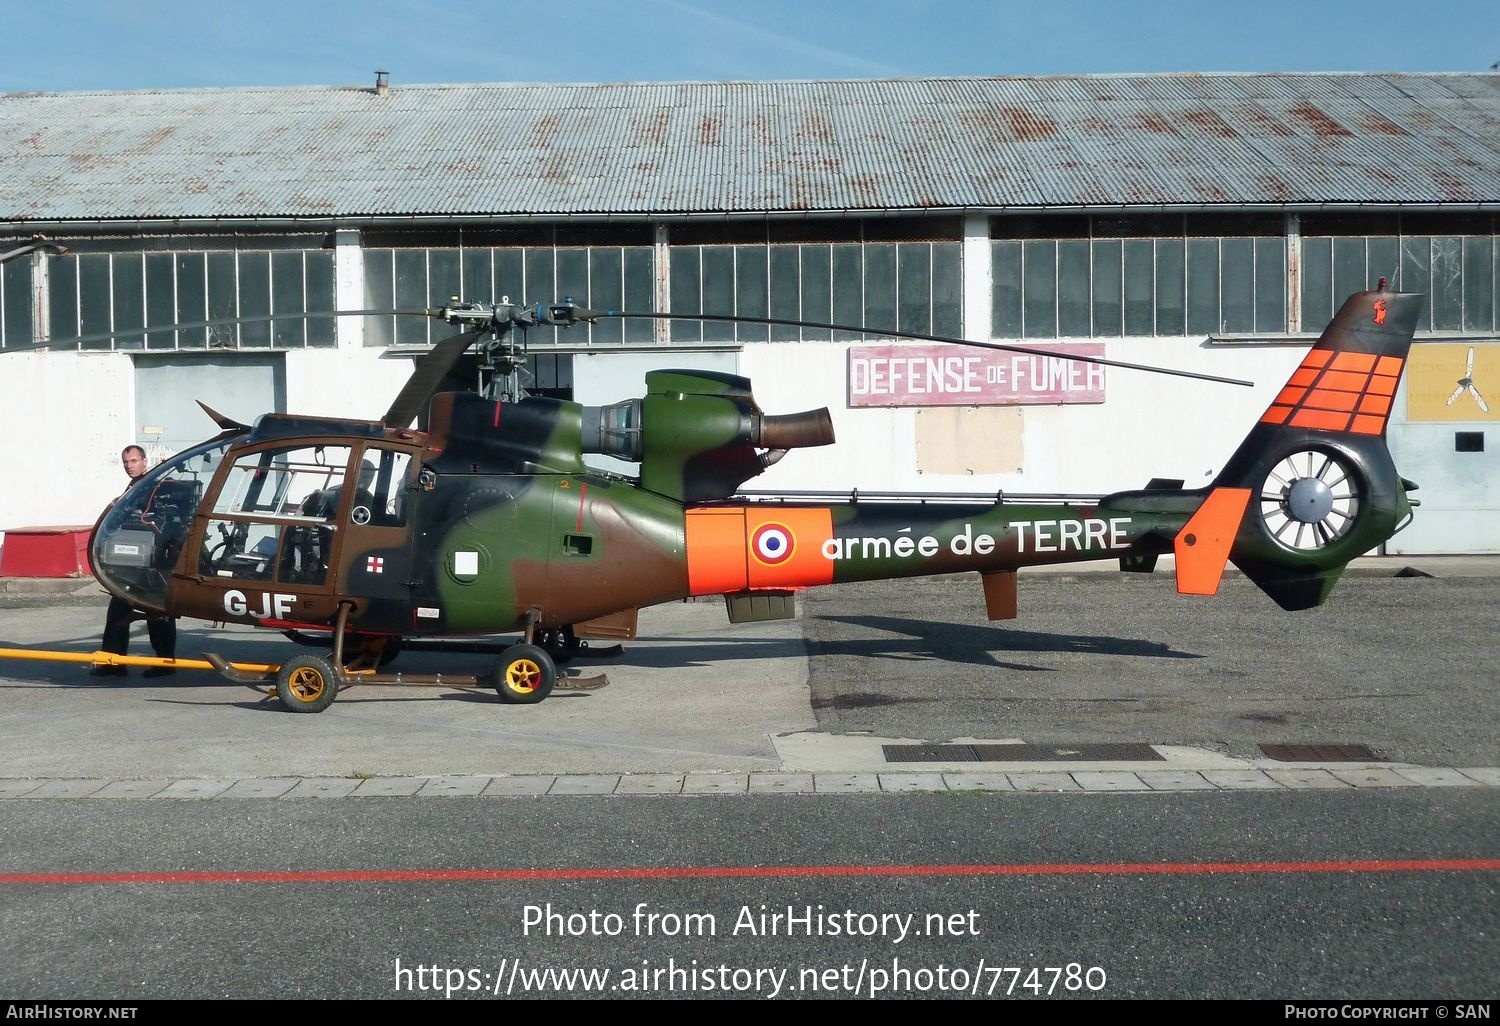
(264, 681)
(484, 647)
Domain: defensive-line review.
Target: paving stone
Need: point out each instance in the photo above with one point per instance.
(1306, 779)
(649, 783)
(1373, 778)
(830, 783)
(1044, 782)
(68, 788)
(1108, 780)
(200, 789)
(1483, 774)
(261, 787)
(913, 782)
(131, 789)
(593, 783)
(715, 783)
(1239, 780)
(1175, 780)
(978, 782)
(324, 787)
(781, 783)
(12, 788)
(530, 784)
(389, 787)
(454, 787)
(1434, 776)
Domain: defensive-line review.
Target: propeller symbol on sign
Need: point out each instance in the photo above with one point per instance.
(1466, 384)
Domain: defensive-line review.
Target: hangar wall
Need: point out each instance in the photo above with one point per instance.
(78, 408)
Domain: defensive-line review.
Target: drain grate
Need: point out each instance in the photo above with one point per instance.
(1320, 753)
(930, 753)
(1021, 753)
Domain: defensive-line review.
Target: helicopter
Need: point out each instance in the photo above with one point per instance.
(363, 536)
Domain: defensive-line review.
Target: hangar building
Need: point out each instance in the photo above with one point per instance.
(1211, 223)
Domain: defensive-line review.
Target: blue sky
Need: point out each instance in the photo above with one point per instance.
(66, 45)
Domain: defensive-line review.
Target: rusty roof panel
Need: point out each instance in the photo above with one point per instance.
(646, 149)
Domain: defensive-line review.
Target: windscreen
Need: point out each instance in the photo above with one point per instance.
(138, 540)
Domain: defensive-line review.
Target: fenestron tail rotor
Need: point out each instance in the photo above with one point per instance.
(1310, 499)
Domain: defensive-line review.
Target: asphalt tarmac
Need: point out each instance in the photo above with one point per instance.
(1094, 800)
(1390, 683)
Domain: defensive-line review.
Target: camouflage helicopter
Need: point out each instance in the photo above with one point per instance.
(489, 521)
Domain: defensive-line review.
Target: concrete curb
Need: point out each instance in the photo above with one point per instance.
(1276, 777)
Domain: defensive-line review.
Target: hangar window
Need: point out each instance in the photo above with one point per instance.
(894, 285)
(1080, 276)
(134, 299)
(16, 323)
(1458, 274)
(601, 277)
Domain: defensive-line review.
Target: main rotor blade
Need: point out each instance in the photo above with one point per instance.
(1101, 361)
(432, 367)
(153, 329)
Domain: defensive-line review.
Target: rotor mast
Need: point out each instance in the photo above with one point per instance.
(502, 341)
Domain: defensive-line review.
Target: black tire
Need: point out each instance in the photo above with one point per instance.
(525, 675)
(307, 684)
(561, 644)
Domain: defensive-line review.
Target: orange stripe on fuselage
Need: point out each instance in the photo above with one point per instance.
(721, 552)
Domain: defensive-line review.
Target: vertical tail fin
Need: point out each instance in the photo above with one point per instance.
(1323, 488)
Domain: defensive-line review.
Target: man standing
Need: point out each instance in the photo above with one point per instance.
(162, 629)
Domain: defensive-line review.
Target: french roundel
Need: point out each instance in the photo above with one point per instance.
(772, 544)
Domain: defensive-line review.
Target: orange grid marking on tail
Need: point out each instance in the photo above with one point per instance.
(1344, 381)
(1362, 362)
(1321, 419)
(1327, 387)
(1324, 399)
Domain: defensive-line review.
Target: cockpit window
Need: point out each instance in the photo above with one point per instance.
(283, 482)
(273, 516)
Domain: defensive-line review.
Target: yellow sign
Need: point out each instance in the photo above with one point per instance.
(1453, 381)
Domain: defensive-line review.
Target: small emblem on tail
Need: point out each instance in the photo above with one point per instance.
(1379, 311)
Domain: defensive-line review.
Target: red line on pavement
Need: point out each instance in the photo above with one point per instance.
(734, 872)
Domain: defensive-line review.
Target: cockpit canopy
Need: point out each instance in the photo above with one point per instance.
(139, 538)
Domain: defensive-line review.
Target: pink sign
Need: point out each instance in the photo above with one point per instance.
(949, 375)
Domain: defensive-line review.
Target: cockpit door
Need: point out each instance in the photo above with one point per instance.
(374, 561)
(267, 539)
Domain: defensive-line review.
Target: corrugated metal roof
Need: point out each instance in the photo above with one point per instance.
(637, 149)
